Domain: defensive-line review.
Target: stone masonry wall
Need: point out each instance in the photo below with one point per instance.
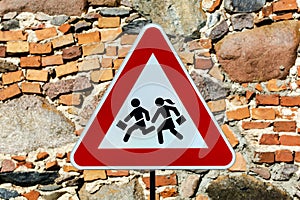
(56, 63)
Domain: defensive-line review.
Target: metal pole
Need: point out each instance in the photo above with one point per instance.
(152, 184)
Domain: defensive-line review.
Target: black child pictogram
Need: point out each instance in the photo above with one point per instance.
(140, 114)
(168, 124)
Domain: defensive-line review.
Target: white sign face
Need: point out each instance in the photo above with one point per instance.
(152, 84)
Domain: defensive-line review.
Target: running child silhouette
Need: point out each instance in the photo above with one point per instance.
(139, 113)
(165, 112)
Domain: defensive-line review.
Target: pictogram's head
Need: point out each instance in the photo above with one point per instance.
(135, 102)
(159, 101)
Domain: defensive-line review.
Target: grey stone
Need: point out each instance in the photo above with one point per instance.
(8, 194)
(213, 19)
(259, 54)
(77, 181)
(30, 122)
(51, 7)
(240, 21)
(177, 17)
(131, 190)
(243, 187)
(54, 195)
(283, 172)
(7, 66)
(59, 20)
(82, 25)
(219, 31)
(65, 86)
(9, 15)
(189, 186)
(27, 179)
(42, 16)
(243, 5)
(210, 89)
(112, 12)
(262, 172)
(49, 188)
(10, 24)
(92, 16)
(135, 27)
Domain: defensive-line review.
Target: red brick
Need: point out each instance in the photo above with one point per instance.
(31, 62)
(17, 47)
(249, 94)
(109, 22)
(286, 16)
(38, 48)
(68, 168)
(62, 41)
(255, 125)
(284, 156)
(2, 51)
(128, 39)
(12, 36)
(203, 43)
(263, 113)
(64, 28)
(9, 92)
(89, 64)
(110, 51)
(52, 60)
(217, 106)
(297, 156)
(290, 101)
(269, 139)
(290, 140)
(106, 62)
(285, 126)
(31, 88)
(284, 5)
(116, 173)
(37, 75)
(169, 192)
(101, 75)
(69, 68)
(258, 87)
(19, 158)
(240, 164)
(12, 77)
(203, 63)
(71, 99)
(71, 53)
(275, 85)
(46, 33)
(41, 156)
(86, 38)
(267, 99)
(230, 135)
(93, 49)
(238, 114)
(29, 165)
(117, 63)
(110, 34)
(264, 157)
(123, 51)
(60, 155)
(161, 180)
(52, 165)
(32, 195)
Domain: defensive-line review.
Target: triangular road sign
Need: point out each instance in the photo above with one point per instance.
(152, 116)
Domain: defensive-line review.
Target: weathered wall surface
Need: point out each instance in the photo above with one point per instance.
(58, 57)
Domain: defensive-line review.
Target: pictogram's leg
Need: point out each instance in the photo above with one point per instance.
(178, 135)
(129, 132)
(160, 137)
